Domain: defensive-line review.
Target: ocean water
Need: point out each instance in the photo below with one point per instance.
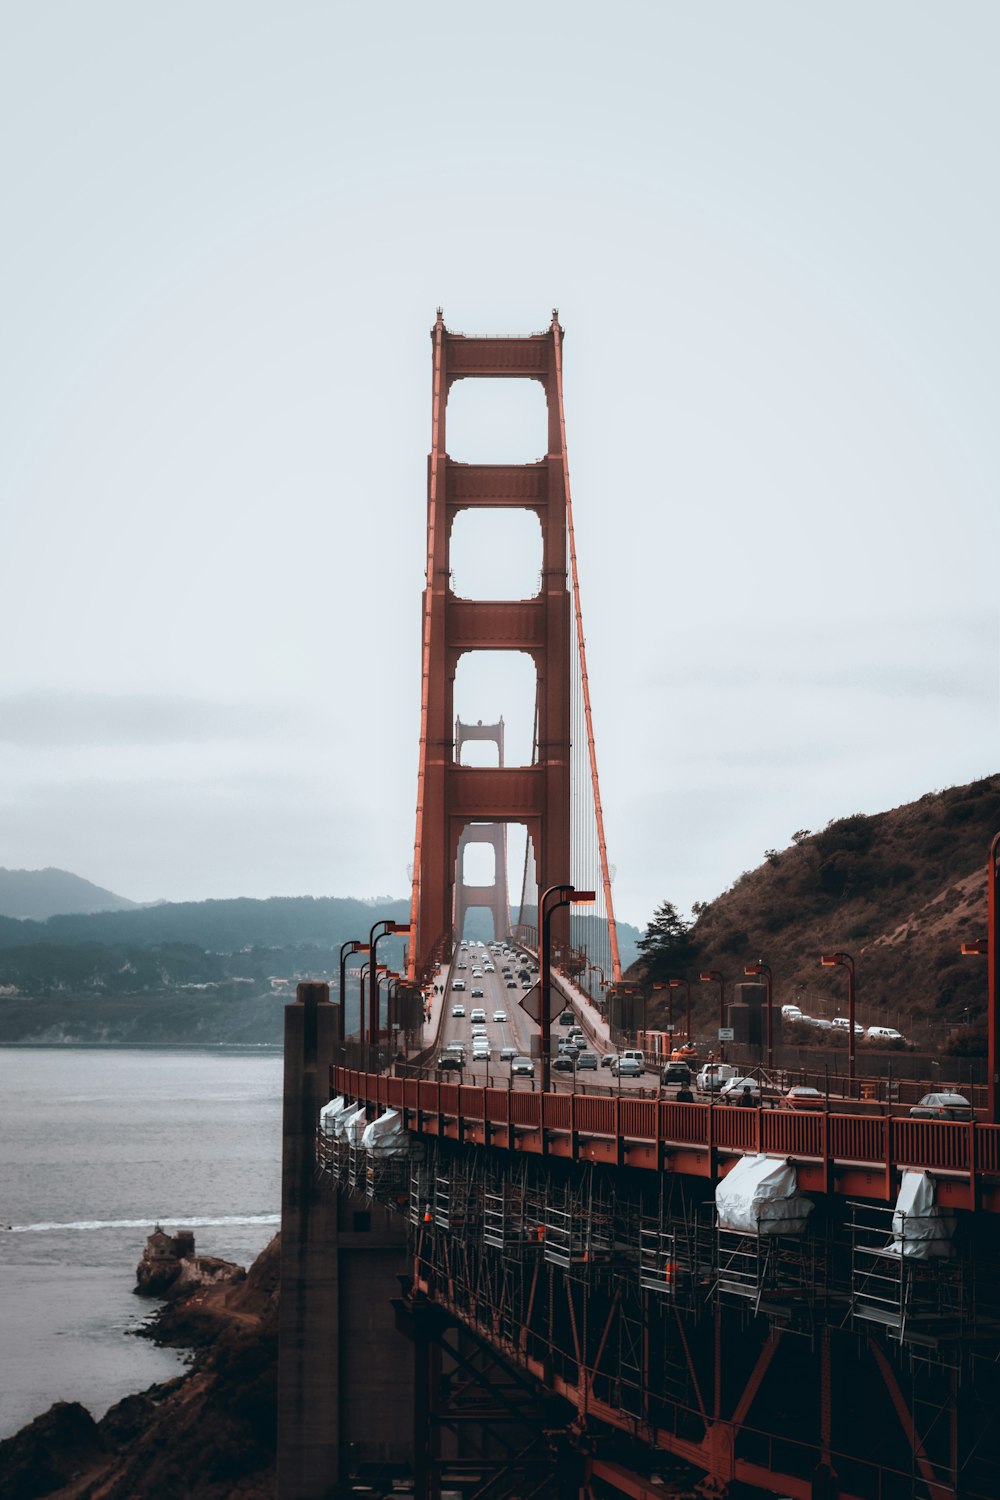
(96, 1147)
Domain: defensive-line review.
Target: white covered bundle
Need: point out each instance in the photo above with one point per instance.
(386, 1136)
(759, 1196)
(351, 1124)
(920, 1228)
(329, 1115)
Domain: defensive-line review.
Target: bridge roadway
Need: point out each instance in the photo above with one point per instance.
(503, 993)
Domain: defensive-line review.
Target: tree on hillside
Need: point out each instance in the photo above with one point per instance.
(666, 945)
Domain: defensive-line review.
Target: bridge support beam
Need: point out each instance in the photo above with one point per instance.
(308, 1367)
(451, 795)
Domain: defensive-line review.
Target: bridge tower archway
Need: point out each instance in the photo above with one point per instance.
(450, 795)
(495, 898)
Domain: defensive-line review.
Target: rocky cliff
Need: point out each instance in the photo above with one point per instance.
(207, 1435)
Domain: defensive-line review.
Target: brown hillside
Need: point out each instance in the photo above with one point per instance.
(900, 891)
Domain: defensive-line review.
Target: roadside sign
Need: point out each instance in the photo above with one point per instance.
(726, 1034)
(670, 1030)
(531, 1001)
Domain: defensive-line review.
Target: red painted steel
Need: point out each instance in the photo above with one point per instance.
(793, 1134)
(526, 1109)
(736, 1128)
(683, 1124)
(596, 1116)
(556, 1111)
(988, 1149)
(449, 795)
(875, 1142)
(494, 897)
(637, 1119)
(472, 1102)
(498, 1106)
(931, 1143)
(857, 1137)
(428, 1097)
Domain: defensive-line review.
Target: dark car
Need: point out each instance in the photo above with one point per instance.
(586, 1060)
(564, 1063)
(676, 1072)
(566, 1019)
(449, 1061)
(942, 1106)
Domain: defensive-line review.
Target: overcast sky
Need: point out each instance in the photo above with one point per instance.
(771, 233)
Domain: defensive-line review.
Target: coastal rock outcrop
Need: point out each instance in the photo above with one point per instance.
(50, 1452)
(206, 1435)
(170, 1268)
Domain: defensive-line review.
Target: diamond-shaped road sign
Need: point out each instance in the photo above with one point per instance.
(531, 1001)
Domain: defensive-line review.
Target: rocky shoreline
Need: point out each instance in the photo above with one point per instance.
(208, 1434)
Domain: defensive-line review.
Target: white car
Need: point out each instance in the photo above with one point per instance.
(627, 1067)
(458, 1011)
(714, 1075)
(734, 1089)
(499, 1015)
(478, 1014)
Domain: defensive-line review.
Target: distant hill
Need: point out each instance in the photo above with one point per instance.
(218, 926)
(38, 894)
(900, 891)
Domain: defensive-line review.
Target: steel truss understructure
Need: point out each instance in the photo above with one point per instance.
(805, 1365)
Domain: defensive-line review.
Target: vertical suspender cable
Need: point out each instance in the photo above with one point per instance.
(616, 969)
(432, 520)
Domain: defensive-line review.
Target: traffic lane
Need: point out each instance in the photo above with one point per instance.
(516, 1031)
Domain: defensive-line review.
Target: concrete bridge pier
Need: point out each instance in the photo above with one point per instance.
(345, 1381)
(308, 1367)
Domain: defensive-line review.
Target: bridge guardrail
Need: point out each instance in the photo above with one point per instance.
(877, 1141)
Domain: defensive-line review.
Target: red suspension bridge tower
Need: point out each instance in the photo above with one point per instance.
(548, 627)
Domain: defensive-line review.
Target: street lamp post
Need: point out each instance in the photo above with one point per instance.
(712, 976)
(374, 938)
(362, 976)
(677, 984)
(354, 945)
(845, 961)
(567, 895)
(763, 971)
(382, 971)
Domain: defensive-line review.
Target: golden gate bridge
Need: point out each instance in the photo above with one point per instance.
(520, 1285)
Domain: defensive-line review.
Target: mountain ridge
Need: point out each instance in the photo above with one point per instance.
(35, 895)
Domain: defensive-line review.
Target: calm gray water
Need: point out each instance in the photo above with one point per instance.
(95, 1148)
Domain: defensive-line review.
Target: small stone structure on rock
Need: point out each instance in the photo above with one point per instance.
(170, 1266)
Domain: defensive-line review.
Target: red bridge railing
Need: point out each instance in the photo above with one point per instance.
(872, 1141)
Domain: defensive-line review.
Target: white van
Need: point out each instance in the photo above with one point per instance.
(714, 1075)
(791, 1013)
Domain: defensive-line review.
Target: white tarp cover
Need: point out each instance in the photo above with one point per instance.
(920, 1229)
(759, 1195)
(328, 1115)
(386, 1136)
(350, 1125)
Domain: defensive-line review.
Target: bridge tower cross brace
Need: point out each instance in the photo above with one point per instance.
(495, 897)
(450, 795)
